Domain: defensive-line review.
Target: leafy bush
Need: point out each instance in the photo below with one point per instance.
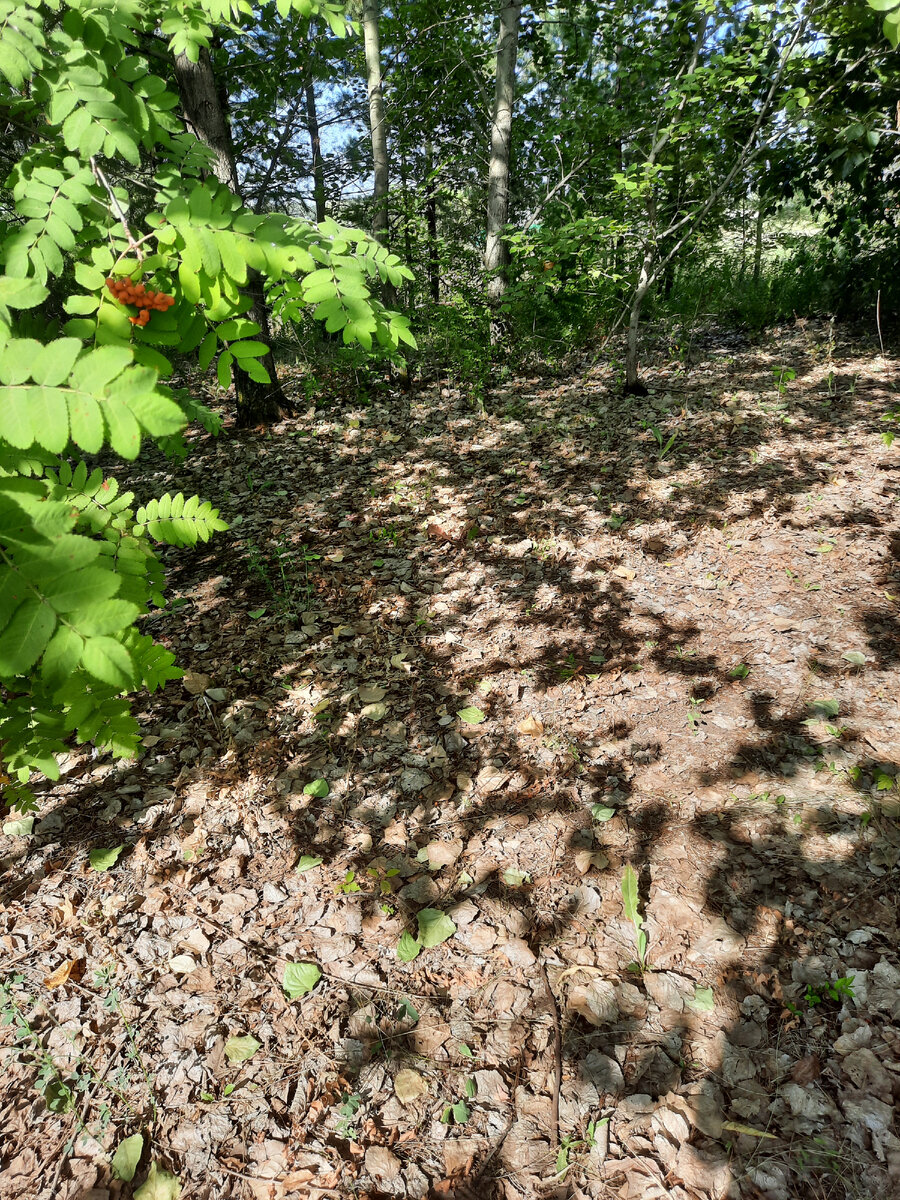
(84, 113)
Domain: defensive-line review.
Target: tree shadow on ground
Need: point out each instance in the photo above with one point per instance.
(529, 584)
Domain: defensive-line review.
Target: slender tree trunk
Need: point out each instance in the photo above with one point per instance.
(758, 247)
(434, 275)
(496, 252)
(406, 209)
(633, 386)
(315, 141)
(378, 132)
(205, 117)
(649, 270)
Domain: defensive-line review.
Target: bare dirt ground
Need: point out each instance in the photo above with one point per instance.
(449, 675)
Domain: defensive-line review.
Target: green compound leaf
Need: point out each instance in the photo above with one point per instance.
(408, 947)
(102, 860)
(630, 895)
(703, 999)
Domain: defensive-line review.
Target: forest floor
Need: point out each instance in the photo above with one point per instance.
(449, 675)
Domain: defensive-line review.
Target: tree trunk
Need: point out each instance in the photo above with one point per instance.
(315, 141)
(205, 118)
(496, 252)
(633, 386)
(758, 248)
(434, 276)
(378, 132)
(406, 209)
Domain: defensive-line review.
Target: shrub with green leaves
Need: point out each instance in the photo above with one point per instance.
(107, 196)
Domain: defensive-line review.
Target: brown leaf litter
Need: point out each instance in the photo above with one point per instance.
(659, 649)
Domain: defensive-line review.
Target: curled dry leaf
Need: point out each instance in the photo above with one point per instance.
(182, 964)
(63, 973)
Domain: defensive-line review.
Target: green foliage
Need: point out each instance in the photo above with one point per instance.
(891, 24)
(96, 145)
(631, 905)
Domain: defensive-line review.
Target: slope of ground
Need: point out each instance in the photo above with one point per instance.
(451, 675)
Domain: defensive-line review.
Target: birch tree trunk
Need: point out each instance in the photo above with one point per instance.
(205, 117)
(496, 252)
(378, 132)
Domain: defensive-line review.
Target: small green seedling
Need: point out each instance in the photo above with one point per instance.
(348, 1114)
(568, 1144)
(630, 904)
(782, 377)
(836, 990)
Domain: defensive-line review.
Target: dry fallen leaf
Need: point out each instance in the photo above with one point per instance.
(806, 1069)
(182, 964)
(585, 860)
(409, 1086)
(62, 973)
(531, 727)
(195, 683)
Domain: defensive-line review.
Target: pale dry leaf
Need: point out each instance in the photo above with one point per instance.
(586, 860)
(531, 726)
(61, 975)
(182, 964)
(409, 1085)
(195, 682)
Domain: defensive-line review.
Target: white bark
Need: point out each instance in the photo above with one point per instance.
(496, 255)
(377, 128)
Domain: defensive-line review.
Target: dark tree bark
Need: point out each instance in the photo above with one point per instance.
(315, 141)
(434, 270)
(205, 117)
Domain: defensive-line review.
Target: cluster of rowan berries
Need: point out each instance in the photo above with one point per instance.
(128, 292)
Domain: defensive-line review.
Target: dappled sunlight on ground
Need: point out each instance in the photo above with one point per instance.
(481, 665)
